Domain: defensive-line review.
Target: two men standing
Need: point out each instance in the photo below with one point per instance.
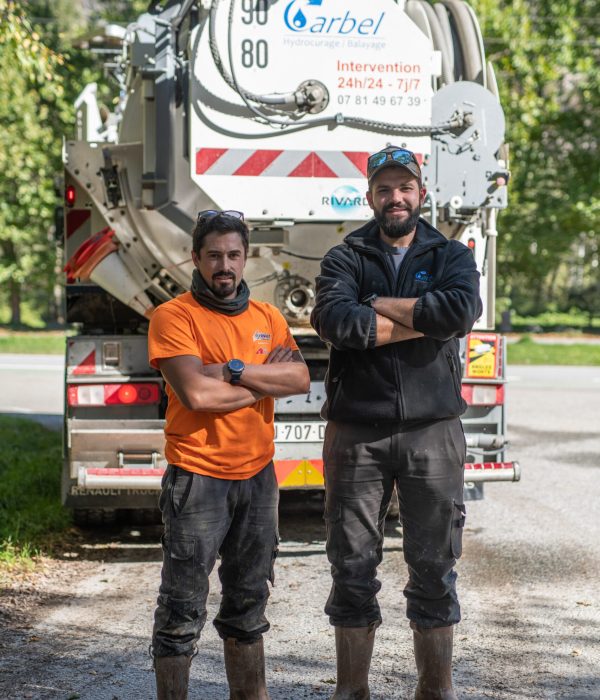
(392, 300)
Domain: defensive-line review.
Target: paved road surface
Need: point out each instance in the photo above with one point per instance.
(33, 385)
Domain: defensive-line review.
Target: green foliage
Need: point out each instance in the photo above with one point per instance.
(527, 352)
(30, 470)
(546, 54)
(31, 314)
(32, 106)
(552, 319)
(41, 73)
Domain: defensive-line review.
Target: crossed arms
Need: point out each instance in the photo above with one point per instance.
(446, 311)
(206, 388)
(394, 320)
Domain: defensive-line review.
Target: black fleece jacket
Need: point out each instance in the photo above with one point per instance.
(411, 380)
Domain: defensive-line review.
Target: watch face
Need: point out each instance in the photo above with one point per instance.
(235, 365)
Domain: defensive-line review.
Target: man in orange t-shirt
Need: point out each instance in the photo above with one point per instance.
(224, 358)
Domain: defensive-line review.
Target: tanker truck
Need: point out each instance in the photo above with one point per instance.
(270, 107)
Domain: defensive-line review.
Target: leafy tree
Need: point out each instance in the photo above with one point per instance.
(31, 91)
(42, 70)
(546, 53)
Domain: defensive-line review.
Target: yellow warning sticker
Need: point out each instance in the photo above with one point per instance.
(482, 356)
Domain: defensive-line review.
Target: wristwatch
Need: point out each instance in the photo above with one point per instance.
(235, 367)
(369, 299)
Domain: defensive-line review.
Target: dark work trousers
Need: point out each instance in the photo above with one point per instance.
(205, 517)
(362, 464)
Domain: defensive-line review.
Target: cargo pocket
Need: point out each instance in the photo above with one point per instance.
(165, 488)
(180, 560)
(181, 485)
(274, 556)
(333, 512)
(459, 513)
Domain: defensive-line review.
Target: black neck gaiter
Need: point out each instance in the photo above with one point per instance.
(204, 295)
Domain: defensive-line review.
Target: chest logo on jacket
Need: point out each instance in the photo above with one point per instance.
(422, 276)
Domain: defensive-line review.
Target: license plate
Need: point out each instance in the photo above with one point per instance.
(299, 432)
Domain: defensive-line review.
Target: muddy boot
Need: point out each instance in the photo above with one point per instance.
(354, 648)
(433, 655)
(245, 668)
(172, 677)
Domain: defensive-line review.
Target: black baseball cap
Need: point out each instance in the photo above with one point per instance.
(393, 156)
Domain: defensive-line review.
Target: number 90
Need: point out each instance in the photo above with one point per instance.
(255, 11)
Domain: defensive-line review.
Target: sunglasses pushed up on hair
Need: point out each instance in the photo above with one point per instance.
(211, 213)
(400, 155)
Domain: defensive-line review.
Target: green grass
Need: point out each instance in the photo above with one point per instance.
(31, 513)
(527, 352)
(33, 343)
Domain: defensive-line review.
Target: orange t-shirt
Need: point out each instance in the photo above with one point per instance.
(233, 445)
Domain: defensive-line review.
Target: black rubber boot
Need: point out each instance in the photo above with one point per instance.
(433, 656)
(172, 677)
(245, 668)
(354, 649)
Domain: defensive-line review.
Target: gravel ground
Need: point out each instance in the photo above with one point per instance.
(528, 582)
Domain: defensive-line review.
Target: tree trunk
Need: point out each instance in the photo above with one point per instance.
(15, 303)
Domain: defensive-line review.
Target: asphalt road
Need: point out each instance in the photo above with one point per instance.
(528, 583)
(33, 385)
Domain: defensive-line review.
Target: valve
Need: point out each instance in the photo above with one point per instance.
(312, 96)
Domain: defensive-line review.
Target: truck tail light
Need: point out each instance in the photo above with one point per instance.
(70, 196)
(134, 394)
(483, 394)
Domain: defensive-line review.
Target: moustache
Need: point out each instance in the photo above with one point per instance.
(394, 206)
(223, 276)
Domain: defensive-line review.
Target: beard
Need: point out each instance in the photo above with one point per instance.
(394, 228)
(220, 289)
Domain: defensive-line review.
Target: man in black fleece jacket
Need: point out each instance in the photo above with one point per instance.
(392, 301)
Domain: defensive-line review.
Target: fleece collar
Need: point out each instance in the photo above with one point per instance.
(367, 237)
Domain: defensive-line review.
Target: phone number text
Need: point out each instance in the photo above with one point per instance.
(381, 100)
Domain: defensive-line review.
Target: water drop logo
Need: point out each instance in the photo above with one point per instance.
(297, 21)
(347, 200)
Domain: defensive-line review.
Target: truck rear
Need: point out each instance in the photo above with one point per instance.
(270, 108)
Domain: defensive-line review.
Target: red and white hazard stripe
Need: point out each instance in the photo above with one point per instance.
(277, 163)
(81, 357)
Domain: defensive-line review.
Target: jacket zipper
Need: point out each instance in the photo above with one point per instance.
(396, 284)
(392, 284)
(399, 283)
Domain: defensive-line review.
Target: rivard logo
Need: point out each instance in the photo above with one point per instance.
(310, 16)
(345, 200)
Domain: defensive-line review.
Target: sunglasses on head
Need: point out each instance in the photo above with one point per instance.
(400, 155)
(210, 213)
